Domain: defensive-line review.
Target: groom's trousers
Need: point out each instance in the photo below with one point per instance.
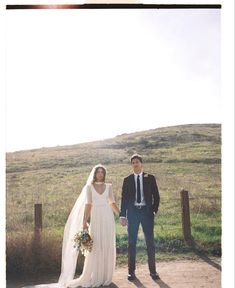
(146, 219)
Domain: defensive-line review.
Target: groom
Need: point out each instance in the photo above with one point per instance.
(139, 204)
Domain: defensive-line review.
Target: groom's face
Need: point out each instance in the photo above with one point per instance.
(136, 165)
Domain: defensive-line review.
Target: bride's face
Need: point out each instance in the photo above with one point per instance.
(99, 177)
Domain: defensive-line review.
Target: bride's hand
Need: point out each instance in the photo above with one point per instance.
(85, 226)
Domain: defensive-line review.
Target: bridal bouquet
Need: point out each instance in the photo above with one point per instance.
(83, 241)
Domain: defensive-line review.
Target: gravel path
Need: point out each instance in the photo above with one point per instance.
(174, 274)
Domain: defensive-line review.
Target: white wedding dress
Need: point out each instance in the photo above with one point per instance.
(100, 263)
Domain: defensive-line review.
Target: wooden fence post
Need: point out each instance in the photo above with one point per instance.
(186, 225)
(37, 244)
(37, 221)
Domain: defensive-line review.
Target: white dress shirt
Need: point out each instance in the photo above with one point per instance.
(142, 203)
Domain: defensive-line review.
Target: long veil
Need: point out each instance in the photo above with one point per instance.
(69, 253)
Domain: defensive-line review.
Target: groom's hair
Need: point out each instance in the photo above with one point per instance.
(136, 156)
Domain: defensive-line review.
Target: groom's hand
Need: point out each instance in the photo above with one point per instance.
(123, 221)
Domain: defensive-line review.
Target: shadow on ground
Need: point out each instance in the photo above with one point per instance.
(202, 253)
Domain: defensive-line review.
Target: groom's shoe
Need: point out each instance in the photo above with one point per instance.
(155, 276)
(131, 276)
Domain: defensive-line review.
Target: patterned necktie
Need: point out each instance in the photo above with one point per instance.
(138, 190)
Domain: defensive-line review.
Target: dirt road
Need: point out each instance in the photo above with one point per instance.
(174, 274)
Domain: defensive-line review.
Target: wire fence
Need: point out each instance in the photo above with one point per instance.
(35, 223)
(56, 208)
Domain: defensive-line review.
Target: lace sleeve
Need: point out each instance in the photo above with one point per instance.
(88, 195)
(111, 196)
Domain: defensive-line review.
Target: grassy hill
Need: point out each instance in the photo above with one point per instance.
(181, 157)
(186, 143)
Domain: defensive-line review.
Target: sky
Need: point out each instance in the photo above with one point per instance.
(74, 76)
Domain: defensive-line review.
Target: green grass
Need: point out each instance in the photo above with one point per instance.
(181, 157)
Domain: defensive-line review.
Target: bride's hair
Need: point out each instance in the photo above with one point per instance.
(95, 171)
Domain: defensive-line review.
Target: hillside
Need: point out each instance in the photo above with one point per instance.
(181, 157)
(187, 143)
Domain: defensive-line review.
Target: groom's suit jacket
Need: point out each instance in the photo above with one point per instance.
(151, 194)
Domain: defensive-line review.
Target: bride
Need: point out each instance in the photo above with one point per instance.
(96, 202)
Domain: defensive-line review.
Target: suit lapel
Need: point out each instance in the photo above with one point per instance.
(133, 184)
(145, 186)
